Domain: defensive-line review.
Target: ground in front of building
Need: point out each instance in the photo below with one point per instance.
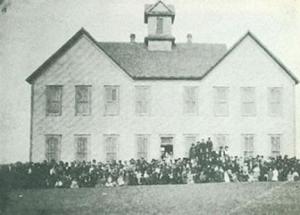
(215, 198)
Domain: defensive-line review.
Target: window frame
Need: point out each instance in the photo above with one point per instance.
(246, 151)
(106, 102)
(147, 100)
(270, 102)
(87, 156)
(159, 25)
(187, 146)
(243, 102)
(186, 100)
(220, 101)
(47, 99)
(89, 102)
(147, 136)
(58, 155)
(117, 136)
(217, 144)
(275, 153)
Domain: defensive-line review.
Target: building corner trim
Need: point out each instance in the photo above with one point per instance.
(31, 122)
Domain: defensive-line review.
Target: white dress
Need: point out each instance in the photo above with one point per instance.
(275, 175)
(226, 177)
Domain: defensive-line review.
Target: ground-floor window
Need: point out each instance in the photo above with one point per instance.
(248, 140)
(81, 147)
(111, 146)
(221, 141)
(166, 146)
(142, 141)
(275, 144)
(189, 139)
(53, 145)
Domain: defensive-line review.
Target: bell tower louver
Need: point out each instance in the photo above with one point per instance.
(159, 17)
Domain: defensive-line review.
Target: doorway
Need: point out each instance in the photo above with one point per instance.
(166, 147)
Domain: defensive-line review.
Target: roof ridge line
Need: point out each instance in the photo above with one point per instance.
(154, 5)
(250, 34)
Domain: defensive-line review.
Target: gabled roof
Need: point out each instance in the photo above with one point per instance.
(150, 11)
(249, 34)
(185, 61)
(61, 51)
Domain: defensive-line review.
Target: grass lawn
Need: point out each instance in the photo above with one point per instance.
(220, 198)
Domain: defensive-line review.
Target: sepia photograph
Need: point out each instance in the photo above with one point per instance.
(149, 107)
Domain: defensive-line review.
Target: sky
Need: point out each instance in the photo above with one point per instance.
(32, 30)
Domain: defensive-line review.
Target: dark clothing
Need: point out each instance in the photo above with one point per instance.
(209, 145)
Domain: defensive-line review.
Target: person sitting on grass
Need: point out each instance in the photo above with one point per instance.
(74, 184)
(295, 175)
(109, 182)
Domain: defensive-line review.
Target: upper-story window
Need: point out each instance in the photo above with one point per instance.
(275, 101)
(53, 100)
(159, 25)
(81, 147)
(248, 106)
(111, 106)
(275, 144)
(221, 106)
(142, 100)
(190, 100)
(83, 100)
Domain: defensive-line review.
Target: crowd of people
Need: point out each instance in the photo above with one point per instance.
(202, 165)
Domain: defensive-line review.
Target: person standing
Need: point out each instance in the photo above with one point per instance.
(209, 145)
(275, 174)
(192, 153)
(202, 150)
(4, 190)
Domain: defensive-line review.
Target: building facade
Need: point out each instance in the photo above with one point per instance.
(104, 101)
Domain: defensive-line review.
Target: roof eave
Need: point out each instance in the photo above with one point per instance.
(63, 49)
(292, 76)
(153, 78)
(56, 55)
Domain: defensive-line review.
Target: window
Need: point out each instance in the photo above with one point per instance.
(53, 100)
(142, 141)
(189, 139)
(167, 145)
(159, 25)
(221, 101)
(191, 100)
(275, 101)
(83, 100)
(221, 140)
(111, 100)
(248, 101)
(81, 147)
(111, 143)
(142, 102)
(53, 142)
(275, 144)
(166, 140)
(248, 145)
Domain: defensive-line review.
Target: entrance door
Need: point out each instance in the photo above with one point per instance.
(166, 146)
